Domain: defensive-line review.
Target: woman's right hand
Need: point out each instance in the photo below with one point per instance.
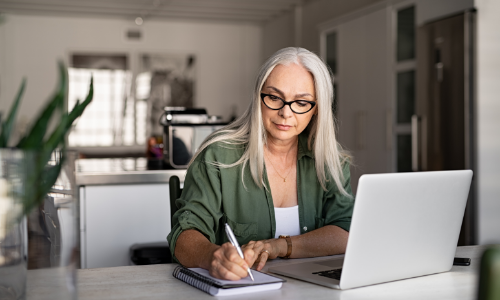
(226, 263)
(194, 250)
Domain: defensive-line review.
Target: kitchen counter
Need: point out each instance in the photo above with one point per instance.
(109, 171)
(121, 203)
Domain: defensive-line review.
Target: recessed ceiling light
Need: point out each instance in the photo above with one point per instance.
(139, 21)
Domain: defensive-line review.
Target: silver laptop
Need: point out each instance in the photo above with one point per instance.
(403, 225)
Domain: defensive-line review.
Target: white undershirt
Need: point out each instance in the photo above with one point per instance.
(287, 221)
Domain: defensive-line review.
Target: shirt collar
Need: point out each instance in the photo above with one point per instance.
(303, 150)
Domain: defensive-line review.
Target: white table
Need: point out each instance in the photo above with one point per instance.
(157, 282)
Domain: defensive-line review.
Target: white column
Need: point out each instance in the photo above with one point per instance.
(488, 121)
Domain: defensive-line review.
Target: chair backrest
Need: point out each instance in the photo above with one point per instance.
(175, 192)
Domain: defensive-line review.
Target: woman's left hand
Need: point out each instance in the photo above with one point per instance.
(263, 250)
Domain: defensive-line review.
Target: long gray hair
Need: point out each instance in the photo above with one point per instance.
(249, 128)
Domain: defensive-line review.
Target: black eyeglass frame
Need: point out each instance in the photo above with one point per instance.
(262, 96)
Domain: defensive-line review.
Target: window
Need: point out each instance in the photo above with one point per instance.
(109, 118)
(405, 96)
(127, 103)
(405, 46)
(331, 61)
(331, 51)
(404, 74)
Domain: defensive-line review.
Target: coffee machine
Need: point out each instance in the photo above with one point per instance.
(184, 130)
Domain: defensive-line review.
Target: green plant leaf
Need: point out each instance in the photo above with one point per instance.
(42, 184)
(35, 137)
(76, 104)
(59, 134)
(57, 137)
(41, 177)
(50, 175)
(79, 108)
(9, 122)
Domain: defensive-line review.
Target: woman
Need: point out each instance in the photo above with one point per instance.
(276, 171)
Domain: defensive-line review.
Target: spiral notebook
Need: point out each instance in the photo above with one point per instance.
(201, 279)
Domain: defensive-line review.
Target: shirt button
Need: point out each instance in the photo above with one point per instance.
(305, 228)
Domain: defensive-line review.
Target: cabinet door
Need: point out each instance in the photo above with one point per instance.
(363, 93)
(114, 217)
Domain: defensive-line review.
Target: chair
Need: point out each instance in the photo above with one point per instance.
(175, 193)
(157, 253)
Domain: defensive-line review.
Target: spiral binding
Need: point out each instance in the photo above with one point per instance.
(194, 279)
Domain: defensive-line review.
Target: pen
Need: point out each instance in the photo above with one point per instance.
(232, 239)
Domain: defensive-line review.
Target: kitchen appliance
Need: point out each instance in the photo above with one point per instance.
(184, 130)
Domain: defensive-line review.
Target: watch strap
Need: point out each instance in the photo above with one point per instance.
(289, 245)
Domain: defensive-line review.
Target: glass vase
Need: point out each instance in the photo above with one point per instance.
(43, 238)
(14, 165)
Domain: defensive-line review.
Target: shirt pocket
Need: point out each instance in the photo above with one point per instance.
(320, 222)
(244, 232)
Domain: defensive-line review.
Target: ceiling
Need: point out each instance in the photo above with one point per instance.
(220, 10)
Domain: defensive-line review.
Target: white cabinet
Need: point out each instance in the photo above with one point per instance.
(114, 217)
(363, 51)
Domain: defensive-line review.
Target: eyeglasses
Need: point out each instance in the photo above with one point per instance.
(297, 106)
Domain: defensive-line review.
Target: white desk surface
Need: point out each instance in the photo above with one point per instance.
(157, 282)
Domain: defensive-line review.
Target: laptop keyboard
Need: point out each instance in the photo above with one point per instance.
(335, 274)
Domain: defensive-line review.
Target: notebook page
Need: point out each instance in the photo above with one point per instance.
(260, 278)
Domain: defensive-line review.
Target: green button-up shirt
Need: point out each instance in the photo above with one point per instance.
(214, 195)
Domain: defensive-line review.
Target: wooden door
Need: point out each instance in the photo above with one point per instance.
(441, 127)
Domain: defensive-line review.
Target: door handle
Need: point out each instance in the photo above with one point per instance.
(439, 69)
(438, 61)
(415, 123)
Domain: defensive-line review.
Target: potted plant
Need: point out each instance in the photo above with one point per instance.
(26, 176)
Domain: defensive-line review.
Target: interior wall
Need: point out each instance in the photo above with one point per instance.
(320, 11)
(278, 33)
(227, 55)
(488, 123)
(430, 10)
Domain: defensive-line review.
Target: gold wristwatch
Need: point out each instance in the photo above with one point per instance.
(289, 245)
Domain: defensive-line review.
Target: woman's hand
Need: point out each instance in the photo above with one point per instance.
(261, 251)
(226, 263)
(194, 250)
